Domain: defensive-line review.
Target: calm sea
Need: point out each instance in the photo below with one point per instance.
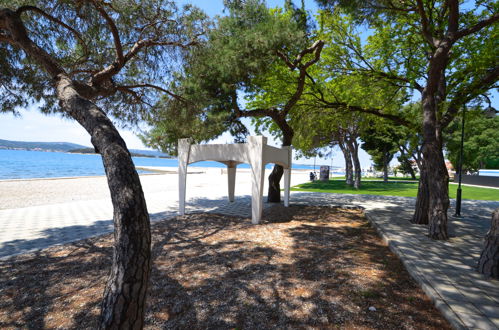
(22, 164)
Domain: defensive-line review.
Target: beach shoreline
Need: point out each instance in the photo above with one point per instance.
(20, 193)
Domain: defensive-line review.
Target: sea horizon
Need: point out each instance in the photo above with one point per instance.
(37, 164)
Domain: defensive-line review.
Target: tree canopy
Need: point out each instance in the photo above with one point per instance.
(252, 64)
(85, 60)
(396, 48)
(120, 54)
(441, 49)
(481, 142)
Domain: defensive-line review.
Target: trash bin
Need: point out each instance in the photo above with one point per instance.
(324, 173)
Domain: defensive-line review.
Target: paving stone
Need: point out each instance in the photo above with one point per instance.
(460, 306)
(476, 295)
(477, 321)
(450, 292)
(495, 321)
(491, 311)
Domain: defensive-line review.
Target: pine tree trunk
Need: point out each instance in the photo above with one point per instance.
(125, 293)
(348, 164)
(436, 171)
(354, 152)
(489, 259)
(438, 183)
(123, 305)
(432, 97)
(274, 192)
(420, 216)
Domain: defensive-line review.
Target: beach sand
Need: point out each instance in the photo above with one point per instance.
(33, 192)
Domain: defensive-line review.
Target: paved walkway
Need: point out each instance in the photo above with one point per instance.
(23, 229)
(38, 227)
(445, 270)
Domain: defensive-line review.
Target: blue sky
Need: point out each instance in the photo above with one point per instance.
(33, 126)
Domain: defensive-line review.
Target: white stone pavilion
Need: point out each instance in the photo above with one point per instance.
(256, 153)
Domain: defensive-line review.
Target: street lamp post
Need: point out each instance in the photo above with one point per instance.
(460, 168)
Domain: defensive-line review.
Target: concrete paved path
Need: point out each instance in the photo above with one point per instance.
(23, 229)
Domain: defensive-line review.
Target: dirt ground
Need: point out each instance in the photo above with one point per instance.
(304, 267)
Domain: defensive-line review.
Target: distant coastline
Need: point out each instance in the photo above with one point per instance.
(85, 151)
(81, 151)
(69, 147)
(31, 164)
(73, 148)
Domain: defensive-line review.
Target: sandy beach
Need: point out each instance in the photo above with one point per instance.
(213, 181)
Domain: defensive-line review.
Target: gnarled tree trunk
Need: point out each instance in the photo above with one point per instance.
(348, 163)
(420, 216)
(124, 297)
(436, 171)
(489, 259)
(125, 293)
(385, 167)
(274, 192)
(353, 146)
(432, 98)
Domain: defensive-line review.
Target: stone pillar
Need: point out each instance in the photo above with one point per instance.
(255, 155)
(287, 177)
(184, 148)
(231, 175)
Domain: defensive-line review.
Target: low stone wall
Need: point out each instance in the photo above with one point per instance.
(480, 180)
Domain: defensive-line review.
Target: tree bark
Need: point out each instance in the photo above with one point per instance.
(123, 306)
(274, 192)
(436, 171)
(488, 264)
(420, 216)
(353, 146)
(124, 297)
(348, 163)
(432, 98)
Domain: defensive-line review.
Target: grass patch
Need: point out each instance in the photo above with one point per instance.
(390, 178)
(403, 189)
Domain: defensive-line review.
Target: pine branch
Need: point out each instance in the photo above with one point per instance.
(114, 31)
(175, 96)
(78, 36)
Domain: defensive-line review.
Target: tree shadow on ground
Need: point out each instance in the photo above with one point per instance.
(53, 236)
(302, 267)
(291, 271)
(42, 283)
